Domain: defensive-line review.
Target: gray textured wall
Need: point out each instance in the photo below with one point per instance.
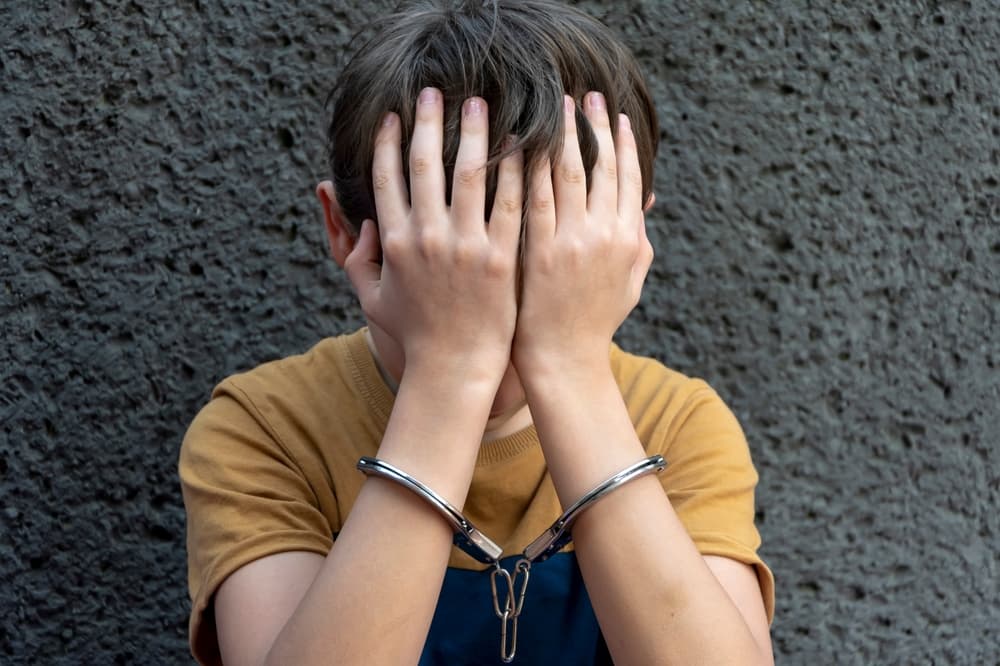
(828, 240)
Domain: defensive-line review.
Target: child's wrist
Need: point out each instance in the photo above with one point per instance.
(545, 371)
(472, 375)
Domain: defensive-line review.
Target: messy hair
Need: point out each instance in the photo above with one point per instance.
(520, 56)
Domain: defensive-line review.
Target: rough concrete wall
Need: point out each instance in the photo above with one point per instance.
(828, 239)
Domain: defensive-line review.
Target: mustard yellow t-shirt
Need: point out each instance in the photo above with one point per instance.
(268, 465)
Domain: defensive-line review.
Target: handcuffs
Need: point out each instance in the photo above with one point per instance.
(480, 547)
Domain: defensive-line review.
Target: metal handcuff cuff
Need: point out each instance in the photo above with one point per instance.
(483, 549)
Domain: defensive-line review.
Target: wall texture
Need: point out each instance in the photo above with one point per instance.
(828, 239)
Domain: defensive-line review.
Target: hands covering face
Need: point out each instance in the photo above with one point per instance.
(446, 286)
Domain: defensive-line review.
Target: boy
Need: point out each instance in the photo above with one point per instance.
(494, 233)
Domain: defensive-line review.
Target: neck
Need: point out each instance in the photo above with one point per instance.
(507, 423)
(389, 380)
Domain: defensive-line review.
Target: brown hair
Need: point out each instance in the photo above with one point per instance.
(521, 56)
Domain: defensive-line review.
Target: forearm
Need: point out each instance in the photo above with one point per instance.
(655, 598)
(374, 597)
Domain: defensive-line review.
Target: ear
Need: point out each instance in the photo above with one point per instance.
(649, 202)
(338, 232)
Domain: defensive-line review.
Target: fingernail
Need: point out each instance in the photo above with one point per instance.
(624, 121)
(473, 106)
(388, 119)
(597, 101)
(569, 104)
(428, 95)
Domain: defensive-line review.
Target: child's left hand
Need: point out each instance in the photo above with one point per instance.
(585, 256)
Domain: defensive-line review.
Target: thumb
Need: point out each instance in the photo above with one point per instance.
(362, 264)
(643, 261)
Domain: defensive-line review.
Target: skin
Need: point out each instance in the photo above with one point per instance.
(372, 598)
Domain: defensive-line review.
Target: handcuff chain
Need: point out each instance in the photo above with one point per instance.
(511, 608)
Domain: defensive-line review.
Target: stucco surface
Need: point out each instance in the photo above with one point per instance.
(827, 232)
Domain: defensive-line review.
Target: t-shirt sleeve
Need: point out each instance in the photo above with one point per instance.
(245, 498)
(710, 480)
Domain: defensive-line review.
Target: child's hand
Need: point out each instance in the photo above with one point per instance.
(586, 257)
(445, 290)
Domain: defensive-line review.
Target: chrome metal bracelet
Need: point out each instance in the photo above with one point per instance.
(467, 537)
(552, 540)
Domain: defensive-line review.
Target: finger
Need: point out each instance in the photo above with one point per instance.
(362, 265)
(570, 179)
(468, 190)
(629, 172)
(604, 180)
(541, 219)
(426, 169)
(391, 199)
(508, 202)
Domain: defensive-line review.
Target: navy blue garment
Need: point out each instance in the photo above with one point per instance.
(557, 623)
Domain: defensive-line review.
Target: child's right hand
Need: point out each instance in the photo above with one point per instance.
(445, 289)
